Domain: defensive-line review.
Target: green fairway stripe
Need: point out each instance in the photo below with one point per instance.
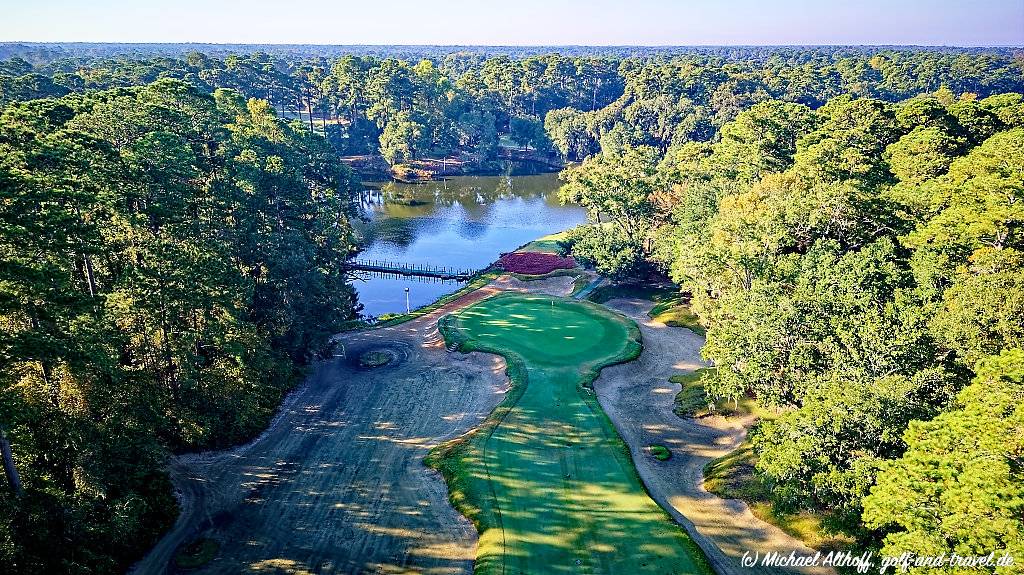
(546, 479)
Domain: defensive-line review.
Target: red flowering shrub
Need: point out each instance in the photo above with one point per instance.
(534, 263)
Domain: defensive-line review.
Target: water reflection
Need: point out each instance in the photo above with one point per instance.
(463, 222)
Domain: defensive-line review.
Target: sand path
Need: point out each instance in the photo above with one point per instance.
(638, 397)
(336, 484)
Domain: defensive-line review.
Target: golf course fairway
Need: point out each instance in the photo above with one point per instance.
(546, 480)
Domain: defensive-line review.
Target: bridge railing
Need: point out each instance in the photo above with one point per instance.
(406, 268)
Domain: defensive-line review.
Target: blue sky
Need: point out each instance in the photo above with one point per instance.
(518, 22)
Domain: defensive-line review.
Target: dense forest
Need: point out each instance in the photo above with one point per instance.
(174, 229)
(170, 260)
(858, 268)
(469, 102)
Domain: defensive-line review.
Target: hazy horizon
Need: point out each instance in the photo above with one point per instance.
(654, 23)
(440, 45)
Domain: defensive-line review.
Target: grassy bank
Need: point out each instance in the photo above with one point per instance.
(670, 306)
(693, 401)
(675, 312)
(478, 281)
(549, 244)
(733, 477)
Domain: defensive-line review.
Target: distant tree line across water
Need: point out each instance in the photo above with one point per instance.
(174, 228)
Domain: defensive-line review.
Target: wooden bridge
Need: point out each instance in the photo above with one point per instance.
(406, 269)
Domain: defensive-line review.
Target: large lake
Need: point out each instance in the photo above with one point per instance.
(462, 222)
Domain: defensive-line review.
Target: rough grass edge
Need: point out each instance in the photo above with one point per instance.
(580, 278)
(670, 307)
(449, 457)
(542, 244)
(478, 281)
(731, 476)
(613, 291)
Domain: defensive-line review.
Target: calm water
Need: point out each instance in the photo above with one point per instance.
(464, 222)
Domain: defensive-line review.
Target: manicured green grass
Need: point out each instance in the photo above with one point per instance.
(479, 281)
(659, 452)
(551, 244)
(547, 480)
(732, 477)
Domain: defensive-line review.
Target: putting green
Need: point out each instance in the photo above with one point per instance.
(547, 480)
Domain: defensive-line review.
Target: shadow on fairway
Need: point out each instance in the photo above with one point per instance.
(546, 479)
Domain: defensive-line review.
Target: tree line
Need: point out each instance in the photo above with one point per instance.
(858, 267)
(470, 102)
(41, 53)
(169, 261)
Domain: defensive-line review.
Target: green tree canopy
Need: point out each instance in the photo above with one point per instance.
(959, 488)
